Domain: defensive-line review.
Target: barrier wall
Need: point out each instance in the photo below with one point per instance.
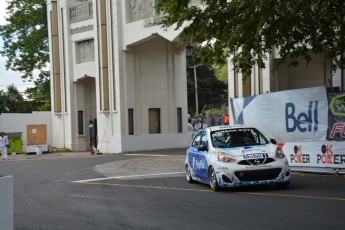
(323, 156)
(21, 122)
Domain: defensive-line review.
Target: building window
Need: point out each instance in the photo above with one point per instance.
(130, 122)
(154, 121)
(179, 120)
(80, 122)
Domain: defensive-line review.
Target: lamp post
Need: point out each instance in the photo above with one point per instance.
(189, 54)
(196, 90)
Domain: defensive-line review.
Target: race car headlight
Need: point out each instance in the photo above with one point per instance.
(225, 157)
(279, 153)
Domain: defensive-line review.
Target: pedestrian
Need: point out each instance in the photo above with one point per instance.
(213, 120)
(226, 119)
(197, 125)
(190, 129)
(190, 126)
(4, 144)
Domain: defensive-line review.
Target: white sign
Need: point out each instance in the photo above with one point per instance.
(288, 116)
(325, 154)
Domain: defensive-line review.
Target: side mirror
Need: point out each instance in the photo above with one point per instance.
(203, 147)
(273, 141)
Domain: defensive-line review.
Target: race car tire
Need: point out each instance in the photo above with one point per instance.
(188, 174)
(212, 178)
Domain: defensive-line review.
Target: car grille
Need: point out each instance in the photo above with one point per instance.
(261, 161)
(257, 175)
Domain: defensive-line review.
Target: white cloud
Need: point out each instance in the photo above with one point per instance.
(9, 77)
(3, 6)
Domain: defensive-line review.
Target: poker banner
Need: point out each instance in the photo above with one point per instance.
(324, 156)
(336, 116)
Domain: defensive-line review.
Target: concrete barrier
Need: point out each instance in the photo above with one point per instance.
(6, 202)
(38, 149)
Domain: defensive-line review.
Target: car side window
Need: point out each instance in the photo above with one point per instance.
(197, 139)
(203, 138)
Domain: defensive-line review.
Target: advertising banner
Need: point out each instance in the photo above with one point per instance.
(336, 119)
(322, 155)
(288, 116)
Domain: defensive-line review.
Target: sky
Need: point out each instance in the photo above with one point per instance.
(9, 77)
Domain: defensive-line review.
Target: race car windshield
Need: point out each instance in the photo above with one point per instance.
(228, 138)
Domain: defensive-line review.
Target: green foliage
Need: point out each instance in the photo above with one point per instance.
(221, 72)
(26, 48)
(210, 89)
(251, 29)
(11, 101)
(3, 102)
(14, 100)
(214, 111)
(39, 95)
(25, 36)
(45, 107)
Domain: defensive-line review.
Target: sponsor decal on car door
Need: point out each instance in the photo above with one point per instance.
(199, 164)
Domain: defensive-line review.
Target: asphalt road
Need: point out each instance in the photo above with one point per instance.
(148, 190)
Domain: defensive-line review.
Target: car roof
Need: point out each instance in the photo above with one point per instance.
(222, 127)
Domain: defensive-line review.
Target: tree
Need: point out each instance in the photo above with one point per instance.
(14, 100)
(39, 95)
(210, 89)
(25, 36)
(3, 102)
(221, 72)
(251, 29)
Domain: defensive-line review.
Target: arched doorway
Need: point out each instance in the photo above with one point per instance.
(87, 112)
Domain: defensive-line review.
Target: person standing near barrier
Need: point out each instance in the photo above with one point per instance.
(226, 119)
(190, 128)
(3, 145)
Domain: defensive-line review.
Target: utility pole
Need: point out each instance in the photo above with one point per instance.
(196, 90)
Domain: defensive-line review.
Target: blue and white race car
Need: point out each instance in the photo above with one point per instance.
(235, 155)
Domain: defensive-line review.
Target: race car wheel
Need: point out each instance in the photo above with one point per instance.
(212, 177)
(188, 174)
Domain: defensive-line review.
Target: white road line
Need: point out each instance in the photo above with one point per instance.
(129, 176)
(145, 155)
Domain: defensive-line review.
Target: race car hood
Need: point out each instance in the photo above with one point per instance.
(239, 151)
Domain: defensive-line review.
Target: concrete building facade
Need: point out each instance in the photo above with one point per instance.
(118, 79)
(271, 79)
